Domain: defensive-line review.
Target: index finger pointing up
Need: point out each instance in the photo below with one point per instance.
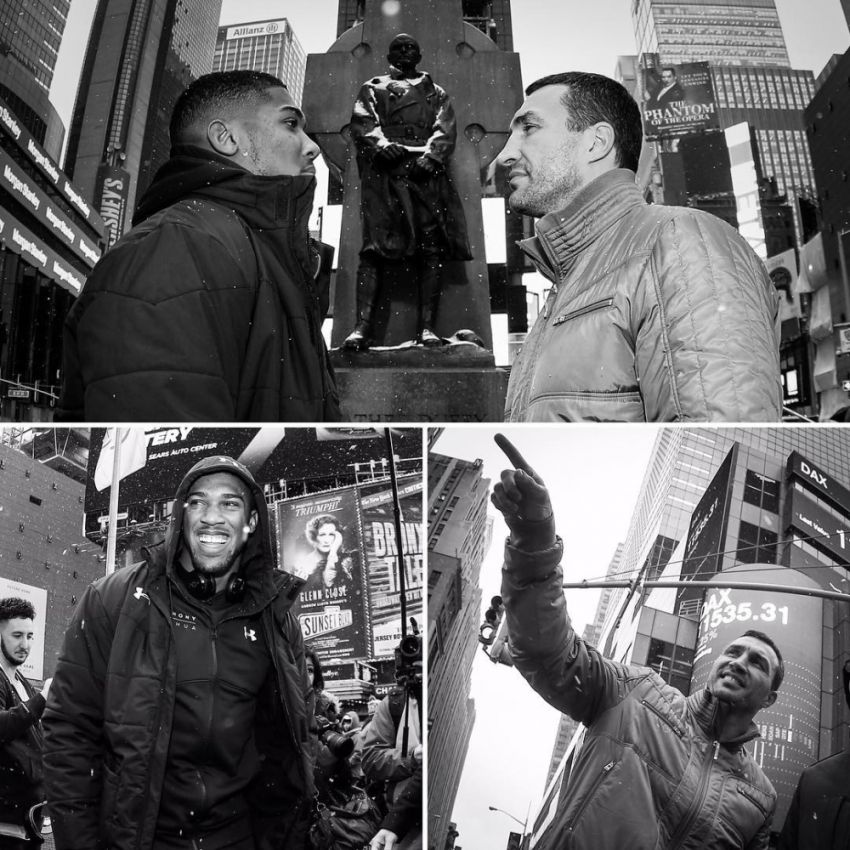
(516, 459)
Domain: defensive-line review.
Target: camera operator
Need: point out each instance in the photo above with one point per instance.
(392, 752)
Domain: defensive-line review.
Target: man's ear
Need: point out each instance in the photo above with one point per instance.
(601, 141)
(252, 522)
(769, 699)
(221, 138)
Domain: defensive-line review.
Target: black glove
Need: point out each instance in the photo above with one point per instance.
(390, 155)
(423, 169)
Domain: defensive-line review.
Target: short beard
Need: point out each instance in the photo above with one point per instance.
(15, 662)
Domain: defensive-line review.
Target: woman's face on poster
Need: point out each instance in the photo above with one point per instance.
(326, 536)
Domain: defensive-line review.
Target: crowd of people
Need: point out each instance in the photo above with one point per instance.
(185, 710)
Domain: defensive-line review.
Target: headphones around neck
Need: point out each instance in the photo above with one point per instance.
(202, 586)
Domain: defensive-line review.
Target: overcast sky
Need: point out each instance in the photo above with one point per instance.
(594, 476)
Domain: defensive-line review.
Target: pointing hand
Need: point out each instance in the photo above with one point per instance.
(521, 494)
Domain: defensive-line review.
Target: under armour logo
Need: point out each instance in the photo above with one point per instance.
(250, 634)
(140, 593)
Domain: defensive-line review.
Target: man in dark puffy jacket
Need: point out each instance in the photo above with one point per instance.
(210, 309)
(656, 769)
(177, 717)
(657, 313)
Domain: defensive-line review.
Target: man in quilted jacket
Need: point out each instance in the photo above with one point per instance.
(656, 769)
(656, 313)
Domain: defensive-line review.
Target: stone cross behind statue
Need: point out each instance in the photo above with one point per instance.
(416, 283)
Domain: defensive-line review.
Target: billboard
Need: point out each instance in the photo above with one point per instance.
(745, 186)
(790, 727)
(319, 540)
(818, 527)
(272, 454)
(380, 549)
(707, 531)
(815, 479)
(678, 99)
(112, 189)
(33, 667)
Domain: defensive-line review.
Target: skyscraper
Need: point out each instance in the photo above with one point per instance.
(459, 535)
(268, 46)
(141, 54)
(743, 43)
(30, 35)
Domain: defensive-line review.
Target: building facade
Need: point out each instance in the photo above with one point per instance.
(50, 238)
(268, 46)
(30, 35)
(141, 54)
(459, 536)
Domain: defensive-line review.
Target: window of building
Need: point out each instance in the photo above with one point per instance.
(756, 545)
(673, 663)
(761, 491)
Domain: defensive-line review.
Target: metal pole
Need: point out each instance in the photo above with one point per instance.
(112, 529)
(397, 518)
(734, 585)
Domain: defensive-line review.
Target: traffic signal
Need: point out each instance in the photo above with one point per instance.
(492, 619)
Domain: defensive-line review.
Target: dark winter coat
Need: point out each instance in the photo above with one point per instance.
(113, 721)
(657, 314)
(819, 817)
(21, 783)
(651, 773)
(208, 310)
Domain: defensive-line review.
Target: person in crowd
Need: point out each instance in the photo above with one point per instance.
(177, 717)
(404, 129)
(392, 753)
(656, 313)
(328, 565)
(656, 769)
(819, 816)
(670, 91)
(210, 308)
(21, 707)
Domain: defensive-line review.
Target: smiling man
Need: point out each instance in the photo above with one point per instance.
(656, 313)
(210, 308)
(656, 769)
(177, 718)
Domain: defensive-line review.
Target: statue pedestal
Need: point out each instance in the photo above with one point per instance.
(410, 383)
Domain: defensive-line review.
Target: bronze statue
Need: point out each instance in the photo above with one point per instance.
(403, 127)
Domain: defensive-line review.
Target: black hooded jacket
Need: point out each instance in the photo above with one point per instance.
(142, 726)
(208, 309)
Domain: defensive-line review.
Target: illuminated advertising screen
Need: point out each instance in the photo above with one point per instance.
(817, 526)
(678, 99)
(112, 189)
(814, 478)
(319, 540)
(789, 728)
(381, 552)
(745, 185)
(707, 531)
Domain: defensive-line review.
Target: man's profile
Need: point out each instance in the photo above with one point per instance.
(210, 308)
(404, 130)
(178, 714)
(657, 769)
(656, 313)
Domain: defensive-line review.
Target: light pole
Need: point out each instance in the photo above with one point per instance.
(523, 824)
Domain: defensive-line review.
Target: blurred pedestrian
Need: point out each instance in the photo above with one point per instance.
(177, 718)
(656, 313)
(210, 308)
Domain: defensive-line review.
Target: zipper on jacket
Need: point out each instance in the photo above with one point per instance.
(699, 798)
(591, 792)
(664, 719)
(581, 311)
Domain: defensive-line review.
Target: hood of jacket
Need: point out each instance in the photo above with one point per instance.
(258, 558)
(263, 201)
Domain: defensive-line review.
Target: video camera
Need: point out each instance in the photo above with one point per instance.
(408, 659)
(339, 745)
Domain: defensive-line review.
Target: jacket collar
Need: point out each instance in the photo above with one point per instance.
(703, 707)
(563, 235)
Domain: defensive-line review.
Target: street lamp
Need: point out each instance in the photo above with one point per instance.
(523, 824)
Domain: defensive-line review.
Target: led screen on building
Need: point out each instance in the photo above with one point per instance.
(33, 667)
(815, 479)
(319, 539)
(818, 527)
(790, 727)
(678, 99)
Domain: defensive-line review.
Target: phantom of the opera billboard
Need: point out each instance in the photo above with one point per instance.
(677, 100)
(343, 544)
